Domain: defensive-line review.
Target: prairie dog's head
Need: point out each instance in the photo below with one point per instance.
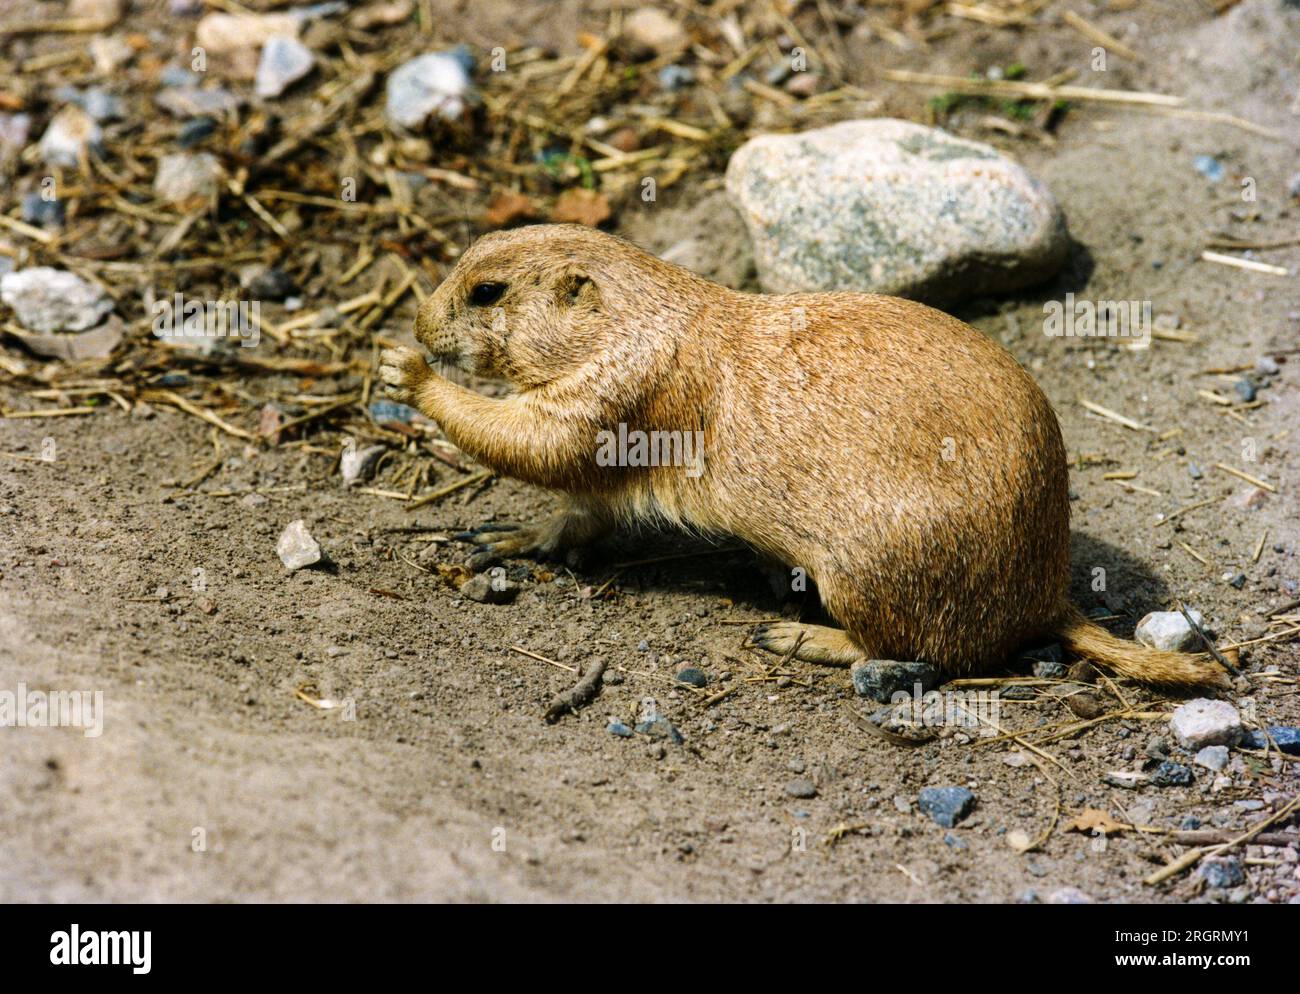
(524, 305)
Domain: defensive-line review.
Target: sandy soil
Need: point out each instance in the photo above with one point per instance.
(448, 785)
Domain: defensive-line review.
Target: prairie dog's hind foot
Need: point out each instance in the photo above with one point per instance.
(829, 646)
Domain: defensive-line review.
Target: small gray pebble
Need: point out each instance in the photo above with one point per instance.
(945, 805)
(1226, 872)
(1157, 747)
(1169, 774)
(801, 787)
(693, 676)
(1213, 757)
(660, 727)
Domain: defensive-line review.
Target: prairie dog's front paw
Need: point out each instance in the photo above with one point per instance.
(403, 370)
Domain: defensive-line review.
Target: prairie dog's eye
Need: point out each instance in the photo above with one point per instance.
(485, 294)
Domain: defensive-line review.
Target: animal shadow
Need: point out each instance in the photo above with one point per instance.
(1105, 580)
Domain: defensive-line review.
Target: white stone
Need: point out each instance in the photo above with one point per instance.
(434, 83)
(71, 134)
(109, 52)
(185, 176)
(359, 464)
(46, 299)
(649, 28)
(1127, 779)
(296, 547)
(1168, 630)
(1204, 722)
(14, 129)
(284, 61)
(105, 13)
(219, 33)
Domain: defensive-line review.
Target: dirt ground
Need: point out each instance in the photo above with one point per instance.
(446, 785)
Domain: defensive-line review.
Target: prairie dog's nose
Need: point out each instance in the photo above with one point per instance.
(427, 320)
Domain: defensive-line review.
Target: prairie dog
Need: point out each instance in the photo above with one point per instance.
(902, 459)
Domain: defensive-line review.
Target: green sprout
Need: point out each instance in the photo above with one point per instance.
(553, 163)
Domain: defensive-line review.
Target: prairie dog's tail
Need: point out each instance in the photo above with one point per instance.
(1128, 659)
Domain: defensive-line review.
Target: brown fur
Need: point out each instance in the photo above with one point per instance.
(900, 457)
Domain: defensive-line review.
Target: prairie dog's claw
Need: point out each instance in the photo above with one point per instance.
(498, 540)
(567, 531)
(481, 561)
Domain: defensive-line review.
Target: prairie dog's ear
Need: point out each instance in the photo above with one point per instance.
(575, 286)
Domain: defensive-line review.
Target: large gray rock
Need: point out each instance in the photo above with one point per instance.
(893, 207)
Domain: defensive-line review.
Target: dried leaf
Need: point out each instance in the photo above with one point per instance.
(454, 575)
(588, 207)
(506, 208)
